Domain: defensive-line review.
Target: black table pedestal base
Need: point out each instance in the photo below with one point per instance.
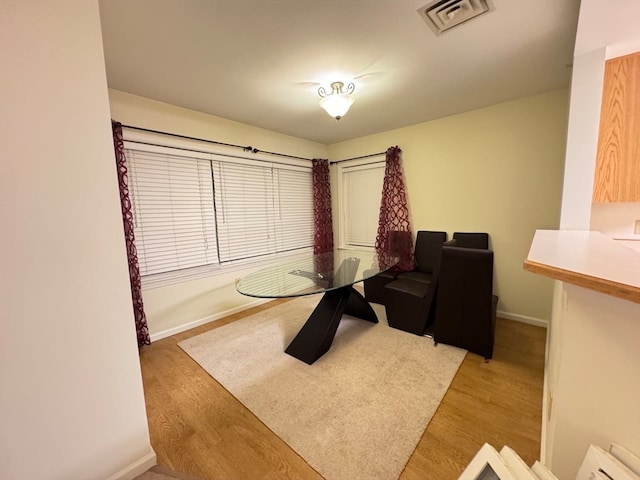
(316, 336)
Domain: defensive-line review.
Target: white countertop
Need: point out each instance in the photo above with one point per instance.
(588, 259)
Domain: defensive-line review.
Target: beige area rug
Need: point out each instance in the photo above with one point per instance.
(356, 413)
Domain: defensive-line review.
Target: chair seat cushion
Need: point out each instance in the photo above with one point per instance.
(416, 276)
(406, 305)
(407, 287)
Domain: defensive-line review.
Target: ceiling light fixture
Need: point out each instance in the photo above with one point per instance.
(337, 102)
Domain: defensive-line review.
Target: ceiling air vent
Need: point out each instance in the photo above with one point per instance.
(441, 15)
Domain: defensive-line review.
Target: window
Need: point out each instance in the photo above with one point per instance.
(360, 193)
(197, 212)
(262, 210)
(174, 214)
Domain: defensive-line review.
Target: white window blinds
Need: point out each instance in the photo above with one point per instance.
(361, 194)
(173, 211)
(194, 210)
(245, 211)
(294, 215)
(262, 209)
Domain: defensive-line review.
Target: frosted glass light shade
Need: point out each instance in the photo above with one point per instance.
(338, 104)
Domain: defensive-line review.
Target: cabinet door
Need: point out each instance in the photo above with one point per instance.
(617, 176)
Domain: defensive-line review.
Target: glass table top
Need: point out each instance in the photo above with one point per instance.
(311, 274)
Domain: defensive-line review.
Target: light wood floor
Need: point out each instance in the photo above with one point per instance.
(200, 429)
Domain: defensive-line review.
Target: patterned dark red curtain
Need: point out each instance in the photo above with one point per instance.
(142, 330)
(323, 222)
(395, 237)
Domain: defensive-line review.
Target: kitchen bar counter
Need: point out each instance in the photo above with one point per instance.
(587, 259)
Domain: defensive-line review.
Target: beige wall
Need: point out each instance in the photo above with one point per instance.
(143, 112)
(176, 307)
(71, 397)
(497, 170)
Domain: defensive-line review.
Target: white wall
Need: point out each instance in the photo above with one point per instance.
(592, 384)
(610, 23)
(618, 221)
(71, 397)
(596, 392)
(582, 140)
(496, 169)
(174, 308)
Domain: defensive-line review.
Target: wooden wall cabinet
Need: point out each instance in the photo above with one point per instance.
(617, 175)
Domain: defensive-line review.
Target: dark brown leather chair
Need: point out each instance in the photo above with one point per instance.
(426, 252)
(466, 307)
(410, 300)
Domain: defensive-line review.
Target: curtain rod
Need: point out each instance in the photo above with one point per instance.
(247, 148)
(357, 158)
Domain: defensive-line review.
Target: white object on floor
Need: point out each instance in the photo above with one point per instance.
(517, 466)
(542, 472)
(628, 458)
(487, 465)
(598, 464)
(598, 461)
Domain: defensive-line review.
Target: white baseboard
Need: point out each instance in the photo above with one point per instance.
(136, 468)
(538, 322)
(210, 318)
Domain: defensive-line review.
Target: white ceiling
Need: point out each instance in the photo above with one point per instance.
(260, 62)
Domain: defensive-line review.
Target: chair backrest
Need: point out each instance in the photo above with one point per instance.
(427, 251)
(472, 240)
(464, 312)
(432, 293)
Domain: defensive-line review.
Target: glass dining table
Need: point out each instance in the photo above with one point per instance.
(333, 274)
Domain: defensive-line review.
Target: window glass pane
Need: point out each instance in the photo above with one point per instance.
(362, 189)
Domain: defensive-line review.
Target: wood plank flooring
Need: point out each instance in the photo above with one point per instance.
(200, 429)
